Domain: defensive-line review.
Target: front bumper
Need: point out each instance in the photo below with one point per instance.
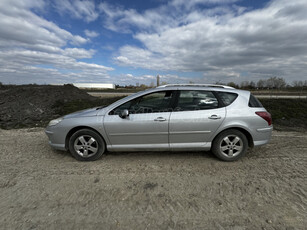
(53, 142)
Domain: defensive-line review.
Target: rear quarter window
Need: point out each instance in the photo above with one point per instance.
(254, 102)
(227, 98)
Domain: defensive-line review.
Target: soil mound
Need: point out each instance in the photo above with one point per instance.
(34, 105)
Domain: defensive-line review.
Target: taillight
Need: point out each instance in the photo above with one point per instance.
(266, 116)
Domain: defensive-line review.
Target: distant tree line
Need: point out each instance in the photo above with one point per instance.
(271, 83)
(262, 84)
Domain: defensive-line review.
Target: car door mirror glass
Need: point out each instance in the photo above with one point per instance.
(124, 113)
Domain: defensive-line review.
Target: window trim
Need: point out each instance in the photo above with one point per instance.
(175, 99)
(171, 103)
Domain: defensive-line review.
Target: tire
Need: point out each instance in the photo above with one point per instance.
(230, 145)
(86, 145)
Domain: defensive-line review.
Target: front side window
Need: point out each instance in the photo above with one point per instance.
(150, 103)
(190, 100)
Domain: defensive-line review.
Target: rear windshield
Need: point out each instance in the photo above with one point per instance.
(254, 102)
(227, 98)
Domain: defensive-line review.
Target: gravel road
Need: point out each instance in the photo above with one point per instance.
(41, 188)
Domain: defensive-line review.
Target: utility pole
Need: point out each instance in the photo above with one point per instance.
(158, 80)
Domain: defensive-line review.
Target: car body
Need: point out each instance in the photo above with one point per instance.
(170, 117)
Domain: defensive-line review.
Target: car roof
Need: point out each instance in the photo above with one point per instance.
(208, 87)
(196, 85)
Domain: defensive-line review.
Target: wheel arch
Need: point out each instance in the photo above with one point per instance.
(75, 129)
(244, 131)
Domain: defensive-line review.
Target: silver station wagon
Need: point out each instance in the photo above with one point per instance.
(171, 117)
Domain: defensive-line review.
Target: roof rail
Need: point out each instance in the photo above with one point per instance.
(197, 85)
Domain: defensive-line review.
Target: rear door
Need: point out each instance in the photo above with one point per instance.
(195, 119)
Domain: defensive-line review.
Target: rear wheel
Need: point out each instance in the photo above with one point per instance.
(230, 145)
(86, 145)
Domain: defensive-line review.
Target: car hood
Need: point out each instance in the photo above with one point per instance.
(84, 113)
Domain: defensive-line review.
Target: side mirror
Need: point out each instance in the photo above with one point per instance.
(124, 114)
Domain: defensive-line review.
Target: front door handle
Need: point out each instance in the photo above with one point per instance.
(160, 119)
(214, 117)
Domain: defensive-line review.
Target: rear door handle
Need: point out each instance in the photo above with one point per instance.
(215, 117)
(160, 119)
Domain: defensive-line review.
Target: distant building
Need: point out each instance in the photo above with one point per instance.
(94, 86)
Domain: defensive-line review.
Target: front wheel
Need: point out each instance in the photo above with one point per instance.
(230, 145)
(86, 145)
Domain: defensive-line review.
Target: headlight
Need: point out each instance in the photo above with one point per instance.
(55, 121)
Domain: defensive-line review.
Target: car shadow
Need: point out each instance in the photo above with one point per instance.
(205, 154)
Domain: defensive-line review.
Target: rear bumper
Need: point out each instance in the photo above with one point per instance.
(263, 136)
(265, 130)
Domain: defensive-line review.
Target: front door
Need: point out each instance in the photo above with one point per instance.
(146, 127)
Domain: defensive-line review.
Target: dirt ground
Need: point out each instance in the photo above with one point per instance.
(42, 188)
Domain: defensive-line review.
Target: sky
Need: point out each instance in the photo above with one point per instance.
(131, 42)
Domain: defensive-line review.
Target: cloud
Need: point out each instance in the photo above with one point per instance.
(59, 61)
(41, 67)
(78, 53)
(33, 49)
(77, 9)
(20, 26)
(127, 79)
(192, 3)
(225, 42)
(121, 20)
(172, 14)
(91, 34)
(218, 39)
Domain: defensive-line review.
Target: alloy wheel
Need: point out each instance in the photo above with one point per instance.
(86, 146)
(231, 146)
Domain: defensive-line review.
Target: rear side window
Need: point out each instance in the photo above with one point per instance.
(190, 100)
(254, 102)
(227, 98)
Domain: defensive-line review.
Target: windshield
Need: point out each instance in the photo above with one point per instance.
(126, 98)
